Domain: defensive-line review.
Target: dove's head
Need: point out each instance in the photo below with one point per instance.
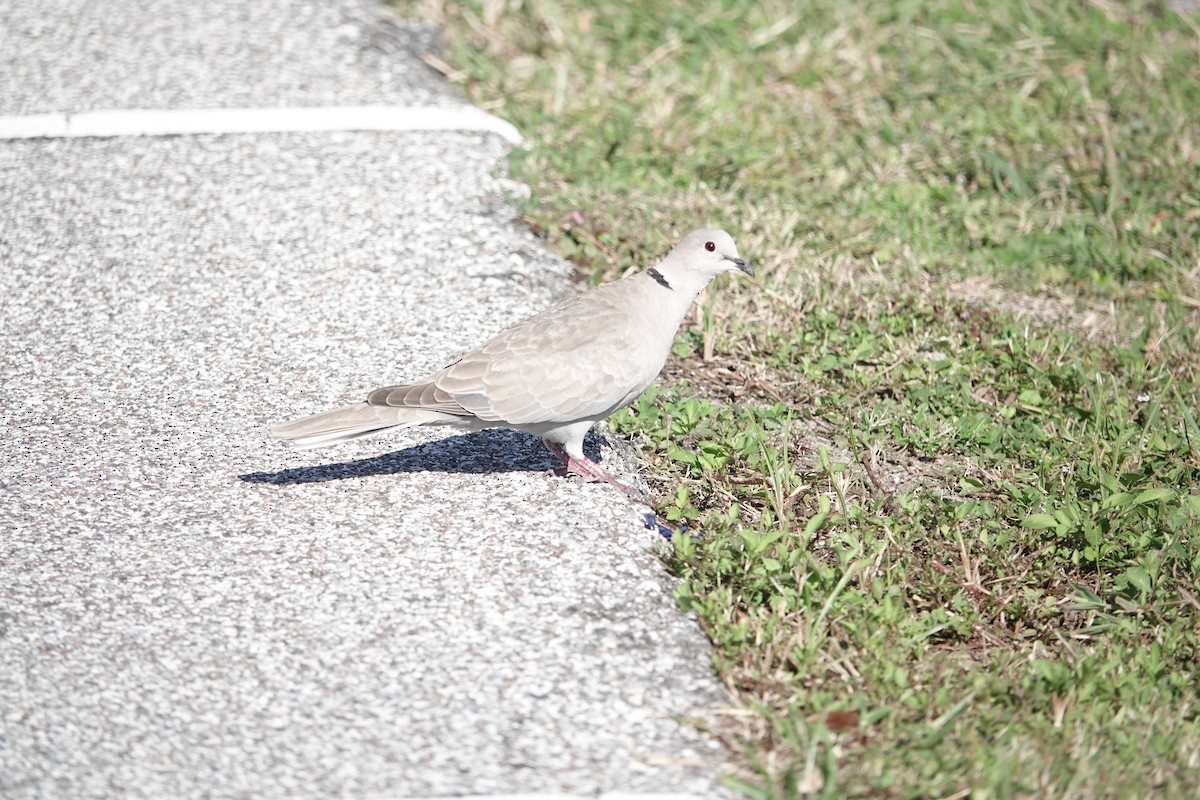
(707, 252)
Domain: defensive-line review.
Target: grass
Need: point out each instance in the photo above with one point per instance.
(944, 453)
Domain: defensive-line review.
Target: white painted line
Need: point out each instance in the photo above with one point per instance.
(559, 796)
(147, 122)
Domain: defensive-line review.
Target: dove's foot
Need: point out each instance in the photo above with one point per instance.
(589, 471)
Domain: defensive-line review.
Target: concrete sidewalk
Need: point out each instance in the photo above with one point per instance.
(188, 610)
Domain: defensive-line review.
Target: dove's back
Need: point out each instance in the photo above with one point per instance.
(554, 374)
(581, 359)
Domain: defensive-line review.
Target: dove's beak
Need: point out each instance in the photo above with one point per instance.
(742, 265)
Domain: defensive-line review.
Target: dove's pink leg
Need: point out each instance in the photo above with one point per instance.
(589, 471)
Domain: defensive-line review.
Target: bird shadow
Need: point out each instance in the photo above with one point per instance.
(478, 453)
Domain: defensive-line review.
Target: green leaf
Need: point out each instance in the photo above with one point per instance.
(1138, 578)
(1085, 600)
(1117, 500)
(1030, 397)
(1154, 495)
(815, 523)
(1039, 522)
(685, 457)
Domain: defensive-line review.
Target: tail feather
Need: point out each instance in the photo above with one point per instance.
(356, 421)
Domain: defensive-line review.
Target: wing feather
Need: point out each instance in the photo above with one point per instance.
(580, 359)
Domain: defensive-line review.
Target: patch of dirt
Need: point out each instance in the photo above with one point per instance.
(1095, 322)
(723, 379)
(874, 473)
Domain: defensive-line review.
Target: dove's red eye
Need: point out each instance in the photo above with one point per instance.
(709, 246)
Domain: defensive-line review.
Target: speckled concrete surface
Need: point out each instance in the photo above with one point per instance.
(189, 610)
(69, 56)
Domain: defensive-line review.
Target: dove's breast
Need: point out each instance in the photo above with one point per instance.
(581, 359)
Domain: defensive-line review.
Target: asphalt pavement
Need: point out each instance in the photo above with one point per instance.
(188, 609)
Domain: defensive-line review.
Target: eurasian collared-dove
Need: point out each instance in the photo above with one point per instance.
(556, 374)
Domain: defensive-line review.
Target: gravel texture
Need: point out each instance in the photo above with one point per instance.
(189, 610)
(67, 56)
